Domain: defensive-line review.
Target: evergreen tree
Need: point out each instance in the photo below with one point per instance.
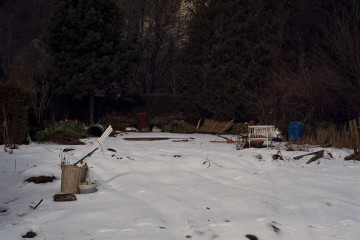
(228, 54)
(85, 39)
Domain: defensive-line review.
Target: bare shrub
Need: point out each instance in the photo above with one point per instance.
(32, 69)
(328, 135)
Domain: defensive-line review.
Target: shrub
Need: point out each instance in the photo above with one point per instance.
(173, 123)
(118, 122)
(62, 132)
(328, 135)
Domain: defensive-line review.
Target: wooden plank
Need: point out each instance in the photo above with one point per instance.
(198, 125)
(228, 126)
(212, 129)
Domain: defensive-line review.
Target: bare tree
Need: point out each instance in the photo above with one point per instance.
(157, 24)
(339, 52)
(32, 69)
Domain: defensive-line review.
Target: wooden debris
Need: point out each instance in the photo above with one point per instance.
(64, 197)
(228, 140)
(355, 157)
(146, 138)
(213, 126)
(277, 156)
(318, 155)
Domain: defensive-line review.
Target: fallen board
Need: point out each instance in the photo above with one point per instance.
(213, 126)
(64, 197)
(146, 138)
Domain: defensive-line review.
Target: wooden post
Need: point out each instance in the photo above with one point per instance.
(198, 125)
(356, 136)
(71, 177)
(352, 135)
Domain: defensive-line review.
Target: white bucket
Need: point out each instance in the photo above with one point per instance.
(87, 187)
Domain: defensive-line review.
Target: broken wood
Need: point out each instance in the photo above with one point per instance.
(355, 157)
(212, 129)
(198, 125)
(231, 123)
(64, 197)
(318, 154)
(213, 126)
(228, 140)
(301, 156)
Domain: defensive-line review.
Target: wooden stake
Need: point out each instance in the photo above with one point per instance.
(352, 135)
(356, 135)
(198, 125)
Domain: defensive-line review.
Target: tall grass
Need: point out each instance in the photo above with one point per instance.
(328, 135)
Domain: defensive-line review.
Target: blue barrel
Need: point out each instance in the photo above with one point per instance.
(96, 130)
(296, 130)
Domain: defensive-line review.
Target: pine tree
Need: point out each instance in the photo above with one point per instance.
(85, 39)
(228, 54)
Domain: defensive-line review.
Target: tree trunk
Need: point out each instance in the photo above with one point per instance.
(91, 107)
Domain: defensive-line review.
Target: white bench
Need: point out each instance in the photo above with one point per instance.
(261, 132)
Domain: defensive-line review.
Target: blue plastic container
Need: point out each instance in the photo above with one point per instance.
(96, 130)
(296, 130)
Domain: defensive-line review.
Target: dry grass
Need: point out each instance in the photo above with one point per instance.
(328, 135)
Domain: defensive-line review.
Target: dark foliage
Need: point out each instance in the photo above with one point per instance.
(228, 54)
(63, 133)
(14, 107)
(271, 61)
(85, 39)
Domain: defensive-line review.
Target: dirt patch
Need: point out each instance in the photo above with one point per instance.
(68, 149)
(41, 179)
(63, 138)
(251, 237)
(29, 234)
(146, 138)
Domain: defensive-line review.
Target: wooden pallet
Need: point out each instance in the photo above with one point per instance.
(213, 126)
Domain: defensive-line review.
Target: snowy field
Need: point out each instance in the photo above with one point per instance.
(170, 189)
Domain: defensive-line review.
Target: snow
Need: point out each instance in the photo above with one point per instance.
(168, 189)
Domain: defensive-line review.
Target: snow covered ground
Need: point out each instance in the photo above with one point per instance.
(169, 190)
